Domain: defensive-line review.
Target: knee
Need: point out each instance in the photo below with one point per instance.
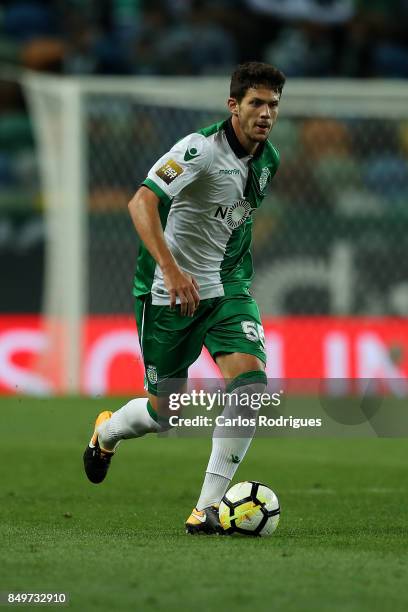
(234, 365)
(248, 380)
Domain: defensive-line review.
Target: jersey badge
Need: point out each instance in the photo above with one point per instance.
(191, 154)
(264, 178)
(151, 372)
(169, 171)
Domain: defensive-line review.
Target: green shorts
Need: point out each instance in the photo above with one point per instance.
(170, 342)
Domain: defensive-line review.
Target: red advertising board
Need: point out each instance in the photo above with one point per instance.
(297, 348)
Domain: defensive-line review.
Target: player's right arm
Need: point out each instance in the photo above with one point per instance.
(186, 161)
(143, 209)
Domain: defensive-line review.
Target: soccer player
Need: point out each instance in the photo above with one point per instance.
(193, 214)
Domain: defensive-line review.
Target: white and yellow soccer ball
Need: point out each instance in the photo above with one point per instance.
(249, 508)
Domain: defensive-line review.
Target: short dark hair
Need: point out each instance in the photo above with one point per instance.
(255, 74)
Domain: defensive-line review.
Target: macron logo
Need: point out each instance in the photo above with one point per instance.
(230, 171)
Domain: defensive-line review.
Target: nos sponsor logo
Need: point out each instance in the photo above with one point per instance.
(234, 215)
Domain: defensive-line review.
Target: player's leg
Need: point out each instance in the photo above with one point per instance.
(236, 341)
(229, 444)
(135, 419)
(164, 337)
(163, 334)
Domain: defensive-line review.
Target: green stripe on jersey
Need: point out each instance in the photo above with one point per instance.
(211, 129)
(237, 265)
(163, 197)
(145, 264)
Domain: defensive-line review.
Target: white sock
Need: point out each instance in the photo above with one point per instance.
(228, 452)
(213, 490)
(131, 421)
(226, 455)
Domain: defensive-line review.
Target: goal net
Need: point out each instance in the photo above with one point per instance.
(330, 239)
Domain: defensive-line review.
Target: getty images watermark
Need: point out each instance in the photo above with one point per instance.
(238, 413)
(286, 408)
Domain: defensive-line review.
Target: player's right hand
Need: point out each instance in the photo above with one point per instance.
(181, 285)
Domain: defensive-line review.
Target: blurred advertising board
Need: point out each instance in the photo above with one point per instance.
(300, 348)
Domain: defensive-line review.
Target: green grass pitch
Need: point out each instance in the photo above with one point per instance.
(342, 543)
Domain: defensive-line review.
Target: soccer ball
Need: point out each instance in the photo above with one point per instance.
(249, 508)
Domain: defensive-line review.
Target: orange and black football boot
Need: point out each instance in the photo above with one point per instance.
(96, 459)
(204, 522)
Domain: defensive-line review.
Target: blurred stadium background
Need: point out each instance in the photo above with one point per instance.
(92, 92)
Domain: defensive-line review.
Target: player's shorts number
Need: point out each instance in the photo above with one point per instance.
(253, 331)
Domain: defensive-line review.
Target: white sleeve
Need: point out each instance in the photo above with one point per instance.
(183, 164)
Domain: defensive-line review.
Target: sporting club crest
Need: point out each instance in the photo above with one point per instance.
(151, 372)
(264, 178)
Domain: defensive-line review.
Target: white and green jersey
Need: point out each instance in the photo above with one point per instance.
(208, 187)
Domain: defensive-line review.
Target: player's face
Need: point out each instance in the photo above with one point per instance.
(256, 113)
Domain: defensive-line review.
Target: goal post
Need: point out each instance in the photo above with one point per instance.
(98, 136)
(57, 109)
